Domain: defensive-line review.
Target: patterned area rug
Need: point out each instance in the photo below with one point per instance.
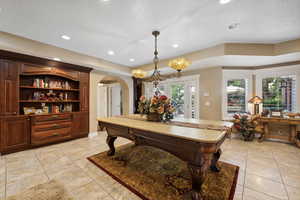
(154, 174)
(47, 191)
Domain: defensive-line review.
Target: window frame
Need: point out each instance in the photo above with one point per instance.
(228, 75)
(279, 72)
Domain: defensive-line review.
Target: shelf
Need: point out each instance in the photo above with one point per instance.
(60, 89)
(46, 101)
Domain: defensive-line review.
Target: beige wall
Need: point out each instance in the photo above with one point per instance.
(210, 82)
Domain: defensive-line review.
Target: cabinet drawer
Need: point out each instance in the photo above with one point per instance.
(42, 137)
(52, 126)
(51, 118)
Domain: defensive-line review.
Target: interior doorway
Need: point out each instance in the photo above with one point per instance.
(112, 98)
(115, 100)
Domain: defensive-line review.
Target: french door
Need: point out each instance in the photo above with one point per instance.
(184, 95)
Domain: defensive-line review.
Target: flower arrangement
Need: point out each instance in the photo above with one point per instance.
(157, 108)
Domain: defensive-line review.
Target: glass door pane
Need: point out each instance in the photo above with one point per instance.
(236, 96)
(193, 101)
(177, 95)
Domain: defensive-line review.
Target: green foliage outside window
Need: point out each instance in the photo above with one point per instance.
(236, 96)
(177, 94)
(277, 93)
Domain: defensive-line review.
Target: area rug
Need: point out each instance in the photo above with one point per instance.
(47, 191)
(153, 174)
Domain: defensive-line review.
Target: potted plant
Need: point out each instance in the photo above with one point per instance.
(245, 126)
(157, 108)
(298, 139)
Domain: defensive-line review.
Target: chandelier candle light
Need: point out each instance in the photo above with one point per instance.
(138, 73)
(179, 64)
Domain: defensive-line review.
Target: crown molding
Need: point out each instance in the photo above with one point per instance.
(235, 49)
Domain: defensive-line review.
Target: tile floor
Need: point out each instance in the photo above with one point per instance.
(268, 170)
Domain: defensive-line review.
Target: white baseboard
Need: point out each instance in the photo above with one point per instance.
(94, 134)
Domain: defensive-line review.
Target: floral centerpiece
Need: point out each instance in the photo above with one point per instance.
(157, 108)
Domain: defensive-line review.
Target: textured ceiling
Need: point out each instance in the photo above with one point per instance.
(125, 26)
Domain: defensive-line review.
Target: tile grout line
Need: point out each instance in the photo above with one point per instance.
(262, 177)
(42, 166)
(272, 181)
(246, 166)
(108, 194)
(93, 179)
(5, 187)
(284, 185)
(273, 197)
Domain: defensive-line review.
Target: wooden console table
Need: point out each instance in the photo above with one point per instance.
(291, 122)
(200, 148)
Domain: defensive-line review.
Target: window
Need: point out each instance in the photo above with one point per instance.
(177, 95)
(279, 93)
(236, 96)
(183, 92)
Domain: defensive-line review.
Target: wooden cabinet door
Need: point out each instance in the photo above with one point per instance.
(15, 134)
(9, 79)
(84, 91)
(80, 124)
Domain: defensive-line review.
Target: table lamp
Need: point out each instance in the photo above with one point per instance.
(256, 100)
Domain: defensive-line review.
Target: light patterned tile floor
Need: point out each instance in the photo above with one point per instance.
(268, 170)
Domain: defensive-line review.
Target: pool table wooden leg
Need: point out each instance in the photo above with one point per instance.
(110, 142)
(215, 160)
(198, 175)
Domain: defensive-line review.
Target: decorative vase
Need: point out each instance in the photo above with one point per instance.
(248, 135)
(154, 117)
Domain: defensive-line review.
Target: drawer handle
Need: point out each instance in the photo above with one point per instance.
(53, 135)
(55, 126)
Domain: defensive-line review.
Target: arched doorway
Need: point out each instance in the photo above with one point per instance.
(113, 97)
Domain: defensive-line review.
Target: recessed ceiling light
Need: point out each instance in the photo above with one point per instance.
(57, 59)
(233, 26)
(110, 52)
(131, 59)
(66, 37)
(175, 45)
(224, 1)
(105, 0)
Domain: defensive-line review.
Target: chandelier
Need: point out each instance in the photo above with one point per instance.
(178, 64)
(156, 76)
